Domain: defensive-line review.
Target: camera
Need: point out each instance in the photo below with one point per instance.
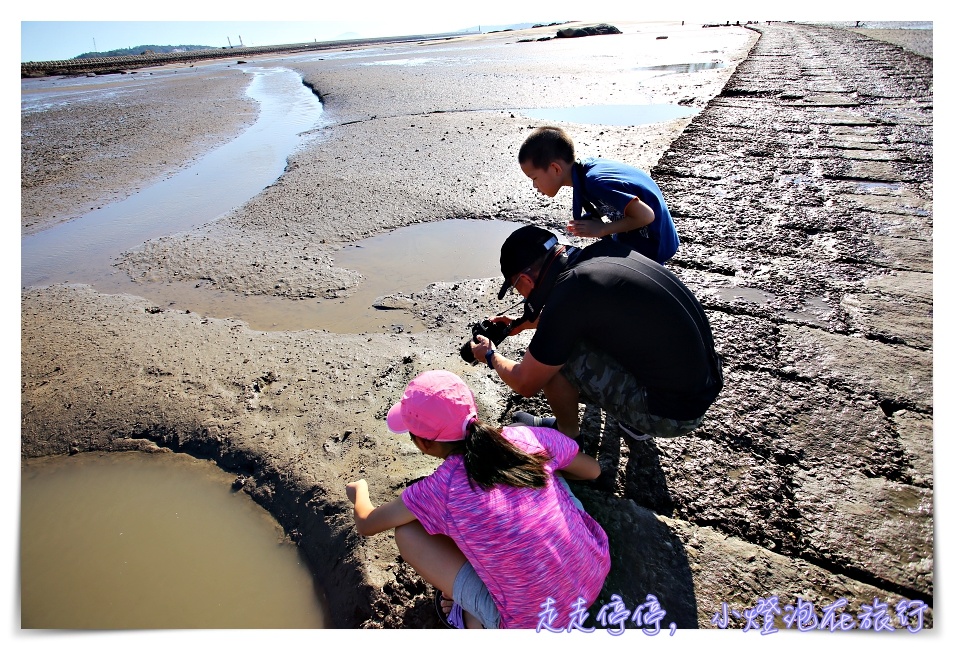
(496, 332)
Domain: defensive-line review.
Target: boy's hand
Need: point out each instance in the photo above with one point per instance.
(354, 489)
(586, 228)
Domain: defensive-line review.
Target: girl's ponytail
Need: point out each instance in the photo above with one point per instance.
(490, 458)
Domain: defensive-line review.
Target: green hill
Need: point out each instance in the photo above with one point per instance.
(144, 49)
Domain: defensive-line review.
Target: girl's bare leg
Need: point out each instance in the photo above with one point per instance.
(435, 557)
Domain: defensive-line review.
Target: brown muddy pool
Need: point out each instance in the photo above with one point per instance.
(154, 541)
(404, 260)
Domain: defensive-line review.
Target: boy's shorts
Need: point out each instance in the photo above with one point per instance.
(471, 592)
(604, 382)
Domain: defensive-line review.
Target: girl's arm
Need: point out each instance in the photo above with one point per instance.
(370, 520)
(582, 468)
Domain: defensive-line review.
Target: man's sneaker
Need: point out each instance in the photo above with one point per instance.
(522, 417)
(632, 434)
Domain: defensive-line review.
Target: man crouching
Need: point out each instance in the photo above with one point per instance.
(613, 329)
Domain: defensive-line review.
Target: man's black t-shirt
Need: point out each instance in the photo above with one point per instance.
(640, 314)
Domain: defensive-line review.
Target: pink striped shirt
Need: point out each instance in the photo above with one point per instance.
(526, 544)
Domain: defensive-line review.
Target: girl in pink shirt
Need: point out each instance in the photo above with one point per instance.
(492, 528)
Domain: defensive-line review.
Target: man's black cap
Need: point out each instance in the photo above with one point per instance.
(523, 247)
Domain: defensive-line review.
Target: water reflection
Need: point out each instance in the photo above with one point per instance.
(682, 68)
(613, 115)
(81, 250)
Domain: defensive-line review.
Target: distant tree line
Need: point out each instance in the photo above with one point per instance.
(144, 49)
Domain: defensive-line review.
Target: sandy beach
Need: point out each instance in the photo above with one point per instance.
(813, 474)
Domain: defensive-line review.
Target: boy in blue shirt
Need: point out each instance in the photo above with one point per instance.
(627, 196)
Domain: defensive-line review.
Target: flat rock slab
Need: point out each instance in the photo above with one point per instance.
(895, 321)
(897, 374)
(869, 526)
(741, 585)
(916, 434)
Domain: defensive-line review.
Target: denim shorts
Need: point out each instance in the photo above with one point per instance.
(604, 382)
(471, 593)
(576, 502)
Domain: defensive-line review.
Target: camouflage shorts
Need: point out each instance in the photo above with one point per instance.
(603, 382)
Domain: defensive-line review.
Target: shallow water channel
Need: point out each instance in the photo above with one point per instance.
(82, 250)
(613, 114)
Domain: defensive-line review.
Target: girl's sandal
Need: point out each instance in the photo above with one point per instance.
(453, 619)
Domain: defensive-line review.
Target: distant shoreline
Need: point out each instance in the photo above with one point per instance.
(918, 40)
(124, 64)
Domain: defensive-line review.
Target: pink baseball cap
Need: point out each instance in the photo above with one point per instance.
(436, 405)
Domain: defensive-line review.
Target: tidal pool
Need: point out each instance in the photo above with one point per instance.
(682, 68)
(154, 541)
(404, 260)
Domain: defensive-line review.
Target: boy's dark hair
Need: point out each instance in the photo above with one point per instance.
(545, 145)
(490, 459)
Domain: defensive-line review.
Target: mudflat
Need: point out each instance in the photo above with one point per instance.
(803, 196)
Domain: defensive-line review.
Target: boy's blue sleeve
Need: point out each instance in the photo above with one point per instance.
(614, 194)
(616, 184)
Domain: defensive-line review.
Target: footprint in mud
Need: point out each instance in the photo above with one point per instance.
(338, 444)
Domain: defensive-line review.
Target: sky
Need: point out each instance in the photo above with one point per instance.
(63, 30)
(54, 40)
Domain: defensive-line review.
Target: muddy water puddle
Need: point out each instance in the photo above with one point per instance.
(405, 260)
(613, 115)
(814, 311)
(629, 114)
(682, 68)
(154, 541)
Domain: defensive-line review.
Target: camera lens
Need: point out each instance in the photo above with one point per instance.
(466, 353)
